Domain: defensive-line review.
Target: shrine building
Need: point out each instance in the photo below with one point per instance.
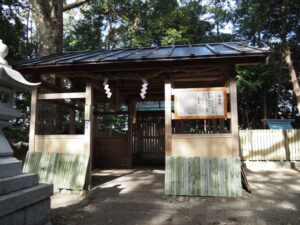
(173, 106)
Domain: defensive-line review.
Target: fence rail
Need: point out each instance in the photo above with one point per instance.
(270, 144)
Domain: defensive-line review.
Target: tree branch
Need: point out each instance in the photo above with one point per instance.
(73, 5)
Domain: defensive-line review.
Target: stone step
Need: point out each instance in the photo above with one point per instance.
(10, 166)
(16, 183)
(19, 199)
(35, 214)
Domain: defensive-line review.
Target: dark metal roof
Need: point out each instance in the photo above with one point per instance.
(205, 50)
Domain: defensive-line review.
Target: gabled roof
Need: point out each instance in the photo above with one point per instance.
(195, 51)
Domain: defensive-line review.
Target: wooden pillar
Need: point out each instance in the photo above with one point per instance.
(168, 117)
(88, 128)
(234, 118)
(59, 110)
(33, 119)
(72, 124)
(131, 110)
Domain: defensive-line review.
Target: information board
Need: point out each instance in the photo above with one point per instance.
(200, 103)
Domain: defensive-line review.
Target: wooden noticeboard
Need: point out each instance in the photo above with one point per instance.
(200, 103)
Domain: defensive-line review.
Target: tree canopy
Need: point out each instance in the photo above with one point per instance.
(265, 91)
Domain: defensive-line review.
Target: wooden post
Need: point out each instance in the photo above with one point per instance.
(131, 110)
(286, 145)
(59, 110)
(72, 125)
(234, 118)
(168, 117)
(88, 128)
(33, 119)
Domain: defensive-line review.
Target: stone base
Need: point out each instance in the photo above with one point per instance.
(10, 166)
(16, 183)
(23, 201)
(17, 200)
(35, 214)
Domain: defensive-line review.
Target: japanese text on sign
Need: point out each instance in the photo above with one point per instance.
(200, 103)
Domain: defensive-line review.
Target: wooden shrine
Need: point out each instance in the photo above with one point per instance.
(86, 114)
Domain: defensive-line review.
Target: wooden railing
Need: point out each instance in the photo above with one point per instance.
(270, 145)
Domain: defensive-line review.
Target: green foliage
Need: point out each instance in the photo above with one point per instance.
(253, 83)
(115, 23)
(273, 24)
(263, 22)
(14, 33)
(107, 24)
(20, 128)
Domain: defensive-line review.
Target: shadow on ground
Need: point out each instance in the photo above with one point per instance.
(128, 197)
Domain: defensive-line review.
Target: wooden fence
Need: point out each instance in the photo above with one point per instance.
(148, 138)
(203, 176)
(270, 144)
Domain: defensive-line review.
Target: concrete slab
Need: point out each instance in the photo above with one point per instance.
(15, 183)
(19, 199)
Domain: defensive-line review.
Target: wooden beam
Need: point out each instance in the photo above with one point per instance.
(67, 105)
(168, 117)
(234, 117)
(69, 95)
(88, 128)
(197, 79)
(33, 119)
(99, 113)
(197, 74)
(55, 88)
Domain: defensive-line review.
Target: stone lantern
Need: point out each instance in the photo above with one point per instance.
(10, 82)
(21, 196)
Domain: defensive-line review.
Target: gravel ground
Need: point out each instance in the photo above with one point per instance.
(129, 197)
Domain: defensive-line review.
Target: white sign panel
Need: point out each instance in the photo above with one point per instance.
(200, 103)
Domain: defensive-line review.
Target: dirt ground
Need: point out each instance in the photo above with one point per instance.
(135, 197)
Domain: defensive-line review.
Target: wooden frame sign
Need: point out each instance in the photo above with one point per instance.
(200, 103)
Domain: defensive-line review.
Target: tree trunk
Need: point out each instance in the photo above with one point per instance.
(48, 17)
(292, 73)
(287, 53)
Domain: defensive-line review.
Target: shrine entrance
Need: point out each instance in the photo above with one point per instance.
(111, 140)
(148, 148)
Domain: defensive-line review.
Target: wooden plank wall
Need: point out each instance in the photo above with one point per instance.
(64, 170)
(195, 145)
(60, 144)
(203, 176)
(270, 144)
(110, 152)
(148, 138)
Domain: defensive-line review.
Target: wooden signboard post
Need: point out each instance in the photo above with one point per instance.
(201, 103)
